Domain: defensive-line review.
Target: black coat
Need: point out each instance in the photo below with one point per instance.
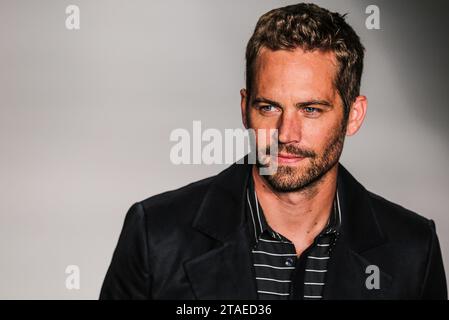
(192, 243)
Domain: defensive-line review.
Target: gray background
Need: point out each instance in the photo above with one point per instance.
(85, 118)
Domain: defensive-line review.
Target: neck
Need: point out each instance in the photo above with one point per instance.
(300, 215)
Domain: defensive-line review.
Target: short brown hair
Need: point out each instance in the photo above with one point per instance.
(311, 27)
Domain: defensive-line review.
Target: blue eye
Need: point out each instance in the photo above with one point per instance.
(267, 108)
(311, 112)
(310, 109)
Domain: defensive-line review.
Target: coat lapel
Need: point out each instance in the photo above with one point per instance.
(225, 272)
(346, 278)
(360, 235)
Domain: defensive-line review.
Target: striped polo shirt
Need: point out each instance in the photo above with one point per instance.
(279, 272)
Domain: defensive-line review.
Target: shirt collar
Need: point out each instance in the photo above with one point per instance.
(258, 224)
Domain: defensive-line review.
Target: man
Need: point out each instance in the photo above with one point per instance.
(307, 231)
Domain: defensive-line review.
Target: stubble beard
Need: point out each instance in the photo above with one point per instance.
(298, 178)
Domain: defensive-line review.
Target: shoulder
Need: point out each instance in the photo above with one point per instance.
(182, 197)
(174, 207)
(400, 224)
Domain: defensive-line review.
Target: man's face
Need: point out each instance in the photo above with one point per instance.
(293, 91)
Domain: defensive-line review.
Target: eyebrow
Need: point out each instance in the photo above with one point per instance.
(304, 104)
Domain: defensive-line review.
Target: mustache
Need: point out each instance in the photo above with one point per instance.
(293, 150)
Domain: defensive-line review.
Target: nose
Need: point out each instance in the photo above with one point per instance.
(289, 128)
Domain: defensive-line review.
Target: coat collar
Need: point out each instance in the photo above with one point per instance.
(360, 232)
(359, 229)
(222, 211)
(225, 272)
(222, 217)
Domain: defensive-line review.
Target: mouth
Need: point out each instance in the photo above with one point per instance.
(288, 158)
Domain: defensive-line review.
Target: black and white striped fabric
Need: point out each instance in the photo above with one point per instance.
(279, 272)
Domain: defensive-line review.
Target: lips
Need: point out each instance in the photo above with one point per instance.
(288, 158)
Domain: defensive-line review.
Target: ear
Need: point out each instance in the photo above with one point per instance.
(243, 98)
(356, 115)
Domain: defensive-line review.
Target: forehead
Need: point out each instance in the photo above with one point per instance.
(305, 74)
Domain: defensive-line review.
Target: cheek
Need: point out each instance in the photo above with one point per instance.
(265, 137)
(259, 121)
(317, 135)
